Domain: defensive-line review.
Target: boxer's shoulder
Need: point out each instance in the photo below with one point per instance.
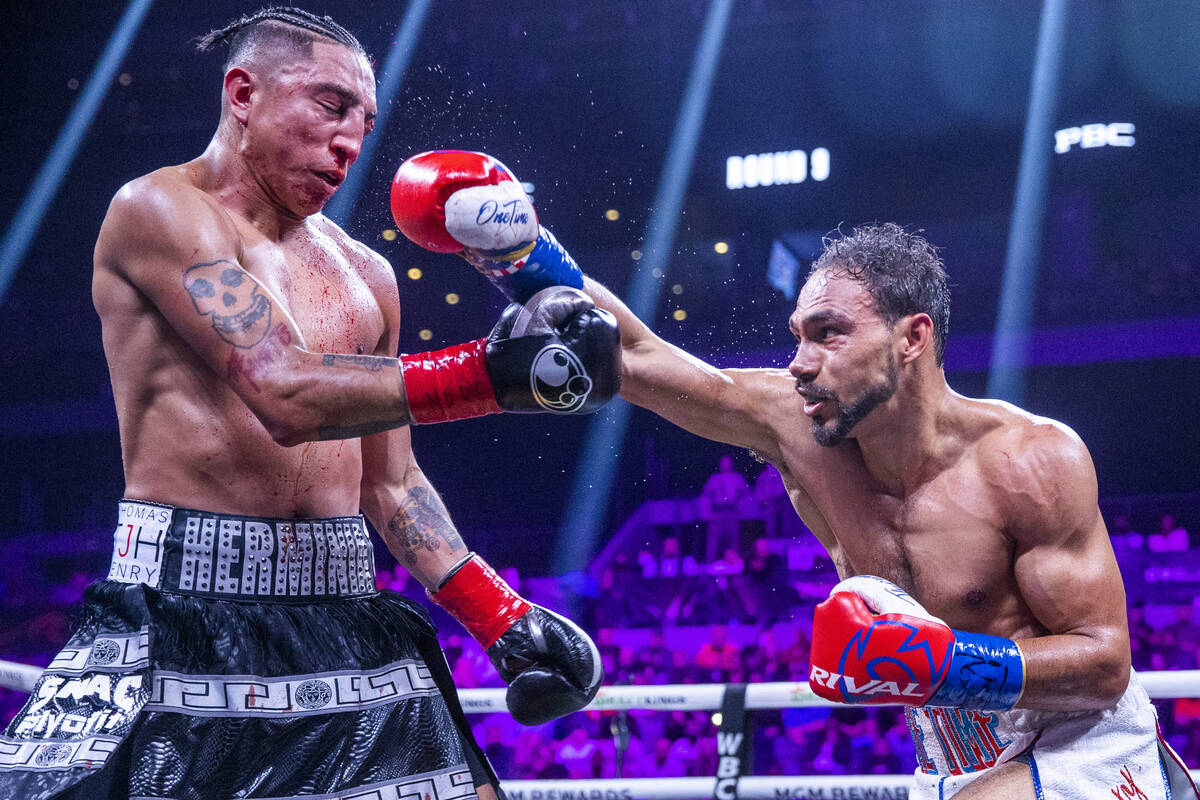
(167, 208)
(1039, 468)
(156, 225)
(166, 189)
(1007, 435)
(370, 264)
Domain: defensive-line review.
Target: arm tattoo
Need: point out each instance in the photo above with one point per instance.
(241, 314)
(369, 363)
(373, 364)
(422, 523)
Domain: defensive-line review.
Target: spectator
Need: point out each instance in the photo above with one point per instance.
(668, 760)
(1124, 537)
(609, 650)
(656, 654)
(471, 668)
(638, 759)
(648, 563)
(721, 500)
(673, 563)
(767, 646)
(793, 660)
(773, 499)
(730, 563)
(807, 726)
(1183, 639)
(1139, 645)
(575, 753)
(791, 752)
(1187, 720)
(1171, 538)
(681, 757)
(706, 755)
(543, 765)
(718, 654)
(766, 590)
(674, 569)
(623, 603)
(498, 753)
(603, 761)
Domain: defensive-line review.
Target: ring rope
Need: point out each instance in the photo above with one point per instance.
(749, 787)
(707, 696)
(699, 697)
(680, 696)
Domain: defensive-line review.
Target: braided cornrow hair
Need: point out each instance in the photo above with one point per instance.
(294, 25)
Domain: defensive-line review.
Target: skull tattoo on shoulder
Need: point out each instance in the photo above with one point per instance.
(241, 314)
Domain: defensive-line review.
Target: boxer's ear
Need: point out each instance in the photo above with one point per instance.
(239, 87)
(917, 330)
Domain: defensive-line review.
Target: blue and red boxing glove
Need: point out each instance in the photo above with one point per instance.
(458, 201)
(872, 643)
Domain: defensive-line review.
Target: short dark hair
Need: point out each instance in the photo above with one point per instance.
(900, 270)
(294, 28)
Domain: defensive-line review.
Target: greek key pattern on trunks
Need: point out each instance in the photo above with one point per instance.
(90, 752)
(291, 696)
(229, 556)
(449, 784)
(115, 652)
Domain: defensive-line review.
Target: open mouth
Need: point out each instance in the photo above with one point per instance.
(334, 179)
(813, 403)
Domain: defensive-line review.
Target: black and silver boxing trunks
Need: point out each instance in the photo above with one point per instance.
(229, 656)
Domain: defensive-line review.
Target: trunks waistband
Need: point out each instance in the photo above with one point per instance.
(236, 557)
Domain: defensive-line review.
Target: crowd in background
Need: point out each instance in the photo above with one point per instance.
(725, 596)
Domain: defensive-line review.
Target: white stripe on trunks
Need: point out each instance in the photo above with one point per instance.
(454, 783)
(291, 695)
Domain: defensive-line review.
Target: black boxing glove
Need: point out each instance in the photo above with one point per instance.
(551, 666)
(557, 353)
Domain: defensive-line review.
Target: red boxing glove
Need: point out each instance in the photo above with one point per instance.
(448, 200)
(862, 657)
(872, 643)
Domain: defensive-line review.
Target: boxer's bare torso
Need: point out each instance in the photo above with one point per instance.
(249, 339)
(945, 539)
(986, 514)
(187, 438)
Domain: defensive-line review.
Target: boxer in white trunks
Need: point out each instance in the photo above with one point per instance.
(984, 513)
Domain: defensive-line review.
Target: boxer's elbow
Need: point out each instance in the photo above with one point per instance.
(1112, 678)
(1109, 670)
(287, 434)
(285, 425)
(283, 411)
